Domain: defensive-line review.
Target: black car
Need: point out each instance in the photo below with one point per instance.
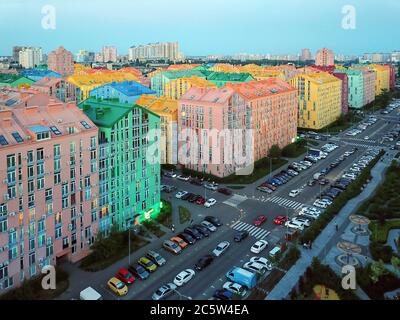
(202, 229)
(196, 182)
(223, 294)
(240, 235)
(138, 271)
(225, 191)
(187, 238)
(204, 262)
(213, 220)
(194, 233)
(187, 196)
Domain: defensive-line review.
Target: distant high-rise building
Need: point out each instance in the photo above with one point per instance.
(61, 61)
(325, 57)
(395, 56)
(156, 51)
(30, 57)
(109, 54)
(305, 55)
(15, 53)
(84, 56)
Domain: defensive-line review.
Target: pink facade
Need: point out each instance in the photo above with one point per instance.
(61, 61)
(267, 110)
(325, 57)
(392, 79)
(48, 189)
(57, 88)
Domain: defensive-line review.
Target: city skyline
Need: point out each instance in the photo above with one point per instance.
(258, 21)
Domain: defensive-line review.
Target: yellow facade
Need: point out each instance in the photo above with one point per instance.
(224, 67)
(174, 89)
(320, 99)
(262, 73)
(167, 109)
(382, 78)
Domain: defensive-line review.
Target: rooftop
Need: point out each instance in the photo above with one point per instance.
(39, 73)
(210, 95)
(235, 77)
(130, 88)
(161, 105)
(263, 88)
(10, 78)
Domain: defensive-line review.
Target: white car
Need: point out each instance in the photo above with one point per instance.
(180, 194)
(235, 288)
(221, 248)
(184, 277)
(210, 202)
(321, 204)
(294, 172)
(183, 178)
(294, 193)
(309, 214)
(259, 246)
(209, 226)
(255, 267)
(305, 222)
(210, 186)
(264, 261)
(310, 210)
(294, 225)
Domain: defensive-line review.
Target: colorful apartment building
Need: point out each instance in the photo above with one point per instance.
(39, 74)
(61, 61)
(167, 109)
(125, 92)
(48, 203)
(355, 87)
(392, 75)
(13, 80)
(325, 57)
(174, 89)
(220, 79)
(184, 66)
(224, 67)
(382, 78)
(160, 79)
(57, 88)
(369, 79)
(320, 99)
(129, 163)
(273, 106)
(265, 110)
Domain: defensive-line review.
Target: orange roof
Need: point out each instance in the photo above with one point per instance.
(262, 88)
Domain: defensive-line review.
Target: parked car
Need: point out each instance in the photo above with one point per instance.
(184, 277)
(202, 229)
(260, 220)
(172, 247)
(125, 276)
(138, 271)
(211, 186)
(280, 220)
(180, 242)
(210, 202)
(240, 235)
(263, 261)
(225, 191)
(215, 221)
(187, 196)
(194, 233)
(255, 267)
(209, 226)
(187, 238)
(221, 248)
(223, 294)
(181, 194)
(183, 178)
(294, 225)
(164, 291)
(235, 288)
(204, 262)
(200, 200)
(264, 189)
(170, 174)
(117, 286)
(156, 258)
(146, 263)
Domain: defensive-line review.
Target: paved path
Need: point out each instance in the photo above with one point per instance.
(328, 236)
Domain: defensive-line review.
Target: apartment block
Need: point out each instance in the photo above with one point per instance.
(220, 79)
(174, 89)
(61, 61)
(129, 163)
(355, 87)
(57, 88)
(369, 79)
(49, 178)
(382, 78)
(14, 80)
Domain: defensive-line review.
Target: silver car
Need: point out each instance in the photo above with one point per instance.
(156, 258)
(164, 291)
(221, 248)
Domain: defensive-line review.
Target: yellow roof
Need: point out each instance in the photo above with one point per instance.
(160, 106)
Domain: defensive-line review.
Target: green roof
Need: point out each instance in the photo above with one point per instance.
(9, 78)
(229, 77)
(105, 113)
(184, 74)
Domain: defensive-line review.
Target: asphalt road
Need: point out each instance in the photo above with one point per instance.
(203, 285)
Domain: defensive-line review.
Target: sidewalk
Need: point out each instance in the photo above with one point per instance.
(328, 236)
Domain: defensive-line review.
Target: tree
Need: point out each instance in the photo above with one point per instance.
(275, 151)
(289, 150)
(377, 270)
(395, 261)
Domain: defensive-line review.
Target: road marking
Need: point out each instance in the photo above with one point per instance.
(283, 202)
(254, 231)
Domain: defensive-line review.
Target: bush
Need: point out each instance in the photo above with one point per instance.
(184, 215)
(380, 252)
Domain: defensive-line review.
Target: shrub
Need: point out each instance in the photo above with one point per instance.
(380, 251)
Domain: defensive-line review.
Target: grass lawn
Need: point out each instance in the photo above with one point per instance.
(165, 216)
(380, 233)
(154, 228)
(261, 169)
(32, 289)
(184, 215)
(111, 252)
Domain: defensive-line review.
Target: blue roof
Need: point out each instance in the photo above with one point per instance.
(39, 129)
(131, 88)
(39, 73)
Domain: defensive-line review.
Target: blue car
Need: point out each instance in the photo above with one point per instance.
(223, 294)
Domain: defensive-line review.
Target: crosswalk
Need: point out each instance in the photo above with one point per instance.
(285, 202)
(235, 200)
(254, 231)
(361, 145)
(359, 140)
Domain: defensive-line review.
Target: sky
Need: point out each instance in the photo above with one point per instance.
(203, 27)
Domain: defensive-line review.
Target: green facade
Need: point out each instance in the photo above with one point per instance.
(13, 80)
(129, 162)
(220, 79)
(356, 87)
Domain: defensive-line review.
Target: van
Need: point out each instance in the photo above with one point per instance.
(245, 278)
(90, 294)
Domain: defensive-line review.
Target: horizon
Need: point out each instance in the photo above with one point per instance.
(201, 31)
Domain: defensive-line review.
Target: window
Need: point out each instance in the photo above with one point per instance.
(30, 156)
(3, 272)
(10, 161)
(55, 130)
(57, 178)
(11, 192)
(71, 130)
(3, 226)
(17, 137)
(85, 125)
(40, 183)
(39, 154)
(43, 136)
(58, 233)
(65, 243)
(57, 150)
(3, 141)
(64, 203)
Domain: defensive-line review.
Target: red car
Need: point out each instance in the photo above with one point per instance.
(260, 220)
(280, 220)
(225, 191)
(201, 201)
(125, 276)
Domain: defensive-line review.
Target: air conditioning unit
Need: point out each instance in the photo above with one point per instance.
(12, 214)
(5, 263)
(59, 120)
(1, 249)
(5, 181)
(5, 248)
(70, 227)
(44, 216)
(6, 197)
